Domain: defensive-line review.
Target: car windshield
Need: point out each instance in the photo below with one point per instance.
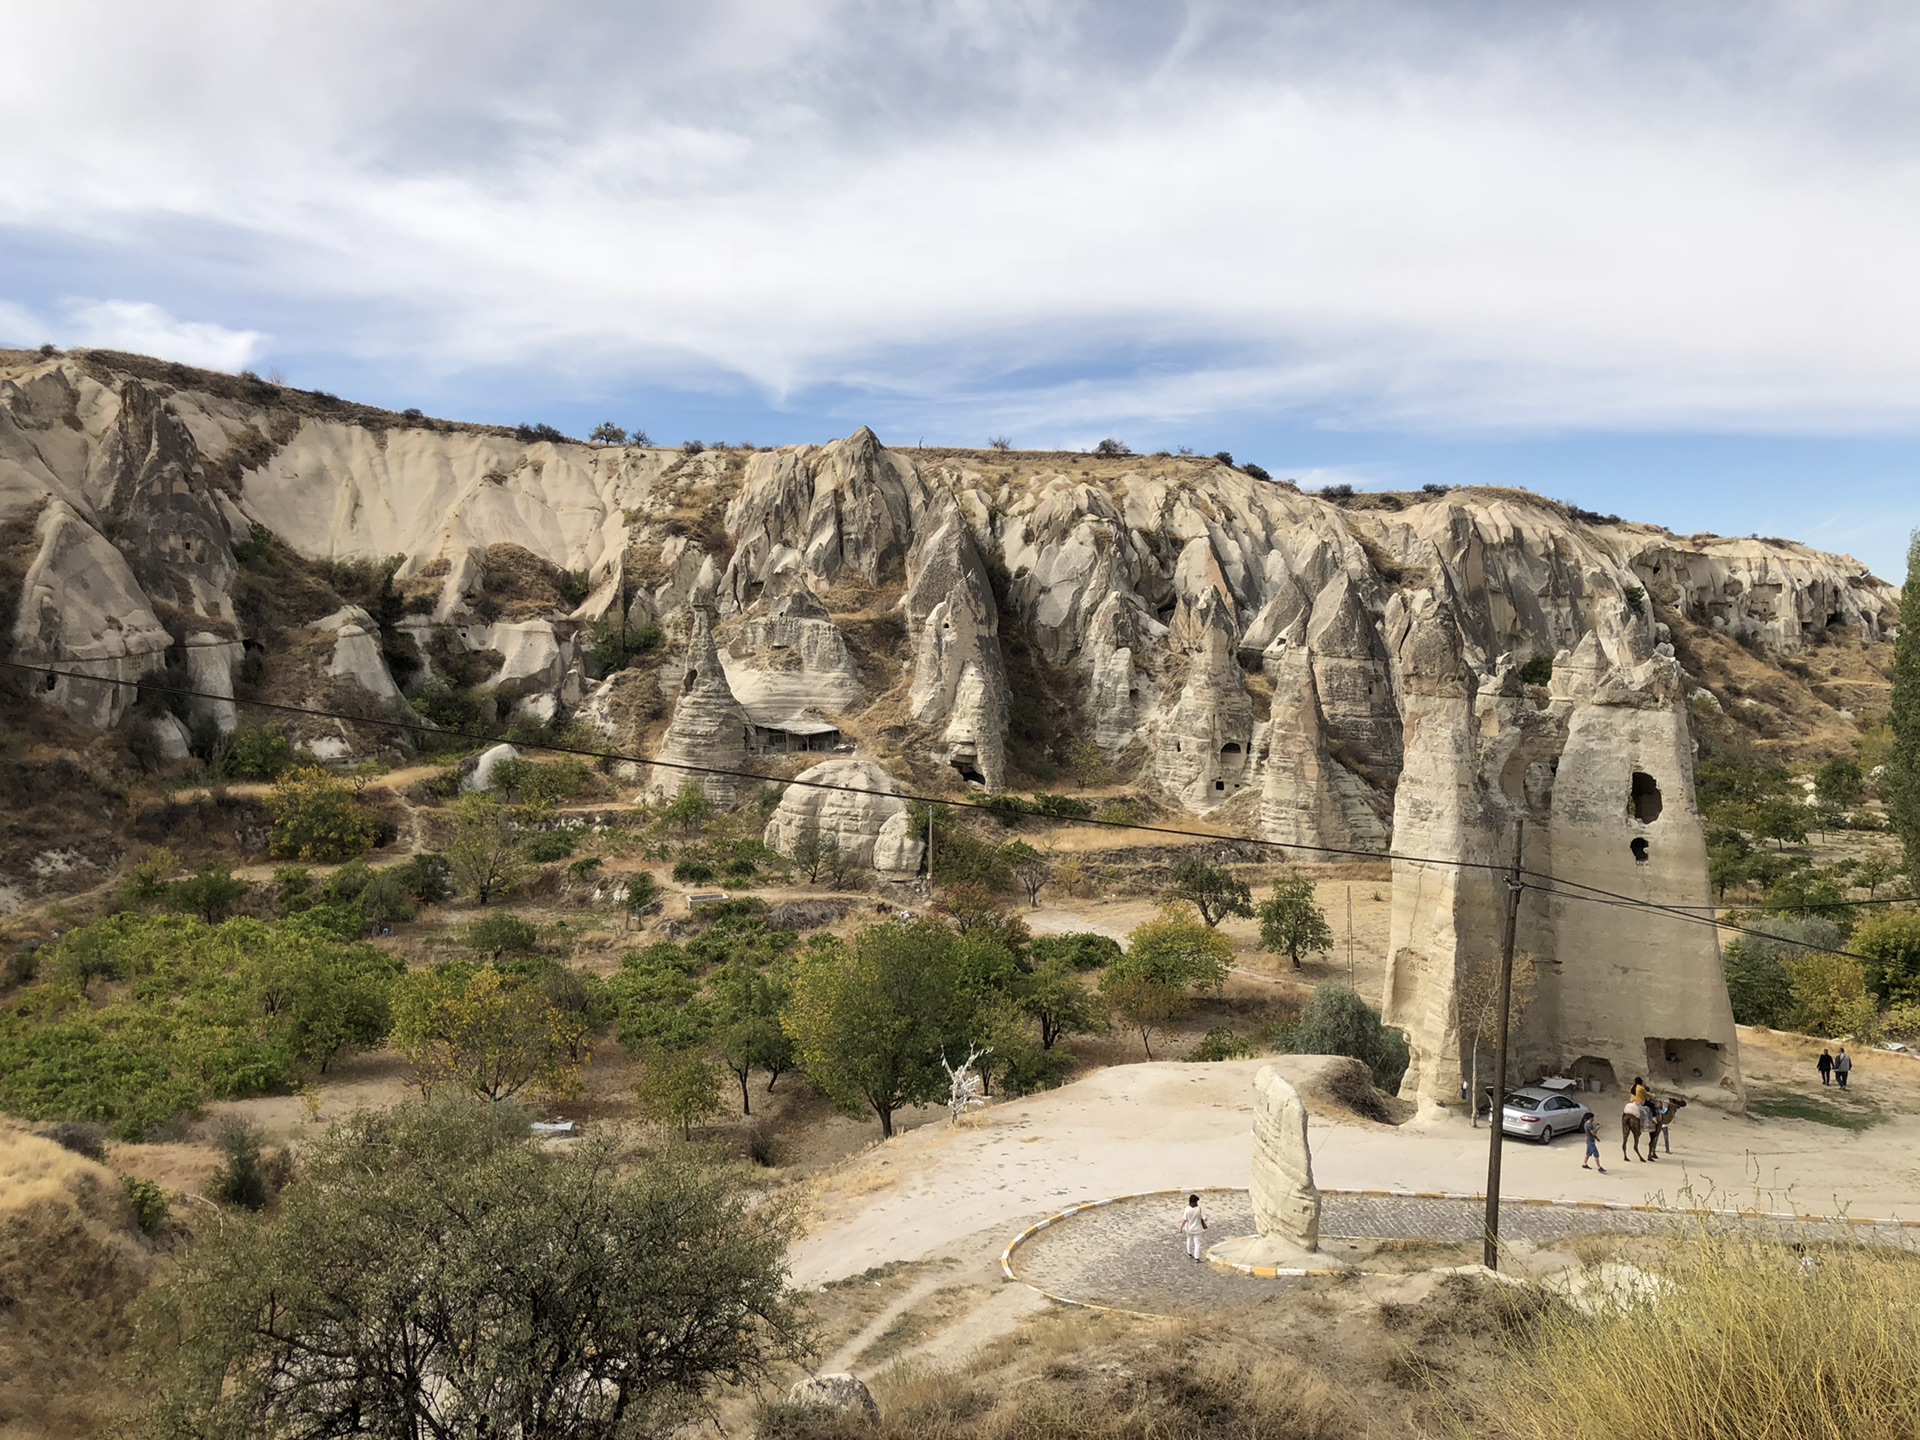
(1522, 1102)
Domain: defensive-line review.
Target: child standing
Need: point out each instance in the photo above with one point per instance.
(1592, 1128)
(1192, 1223)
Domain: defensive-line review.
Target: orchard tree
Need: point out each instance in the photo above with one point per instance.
(816, 852)
(1031, 869)
(690, 808)
(870, 1019)
(316, 817)
(484, 856)
(1151, 984)
(744, 1003)
(1290, 920)
(1213, 890)
(432, 1273)
(1054, 995)
(479, 1032)
(680, 1088)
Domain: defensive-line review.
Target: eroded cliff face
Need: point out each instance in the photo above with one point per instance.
(959, 614)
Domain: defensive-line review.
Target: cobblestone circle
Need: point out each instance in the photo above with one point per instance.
(1130, 1254)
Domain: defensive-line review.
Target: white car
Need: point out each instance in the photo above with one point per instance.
(1534, 1113)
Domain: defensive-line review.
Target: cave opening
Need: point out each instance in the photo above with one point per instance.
(1639, 848)
(1643, 801)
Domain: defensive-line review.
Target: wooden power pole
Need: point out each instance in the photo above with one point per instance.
(1504, 1000)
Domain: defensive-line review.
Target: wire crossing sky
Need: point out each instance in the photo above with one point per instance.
(1653, 258)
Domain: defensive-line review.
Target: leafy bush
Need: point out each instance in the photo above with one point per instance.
(1220, 1043)
(210, 892)
(148, 1203)
(241, 1179)
(1338, 1022)
(1256, 471)
(1112, 447)
(1062, 807)
(548, 845)
(258, 752)
(1081, 950)
(498, 935)
(81, 1138)
(316, 817)
(690, 870)
(643, 891)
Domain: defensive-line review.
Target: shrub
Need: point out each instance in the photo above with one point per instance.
(691, 870)
(258, 752)
(81, 1138)
(316, 817)
(1336, 492)
(242, 1177)
(1220, 1043)
(1112, 447)
(548, 846)
(1256, 471)
(210, 892)
(148, 1203)
(1338, 1022)
(498, 935)
(643, 891)
(1891, 943)
(427, 878)
(1537, 671)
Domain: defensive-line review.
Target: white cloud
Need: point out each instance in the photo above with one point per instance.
(148, 330)
(1496, 217)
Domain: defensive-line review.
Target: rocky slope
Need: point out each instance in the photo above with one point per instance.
(964, 616)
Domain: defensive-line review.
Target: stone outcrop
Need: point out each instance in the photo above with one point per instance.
(1286, 1202)
(854, 822)
(839, 1392)
(709, 726)
(1211, 633)
(1598, 773)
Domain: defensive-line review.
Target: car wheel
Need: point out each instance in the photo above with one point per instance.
(1546, 1133)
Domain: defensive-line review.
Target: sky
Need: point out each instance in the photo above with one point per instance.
(1659, 259)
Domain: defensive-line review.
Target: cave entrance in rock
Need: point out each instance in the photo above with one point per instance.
(1233, 765)
(1639, 848)
(1685, 1062)
(1593, 1073)
(967, 764)
(1643, 800)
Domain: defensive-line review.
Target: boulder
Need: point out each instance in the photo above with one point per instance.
(356, 652)
(840, 1391)
(1286, 1202)
(854, 821)
(481, 777)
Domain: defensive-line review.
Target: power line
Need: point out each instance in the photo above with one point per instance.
(1628, 903)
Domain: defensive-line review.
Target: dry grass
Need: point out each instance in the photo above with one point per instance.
(70, 1265)
(1751, 1339)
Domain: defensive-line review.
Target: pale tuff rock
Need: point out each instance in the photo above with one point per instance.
(533, 657)
(853, 821)
(617, 710)
(1776, 594)
(852, 505)
(787, 656)
(954, 624)
(1202, 749)
(1286, 1202)
(82, 612)
(1602, 775)
(898, 849)
(480, 778)
(356, 653)
(834, 1392)
(1308, 797)
(709, 726)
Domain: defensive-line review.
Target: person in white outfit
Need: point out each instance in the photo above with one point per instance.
(1192, 1223)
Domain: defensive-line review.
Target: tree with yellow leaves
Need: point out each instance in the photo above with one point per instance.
(476, 1030)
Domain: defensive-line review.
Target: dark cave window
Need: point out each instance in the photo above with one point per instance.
(1639, 848)
(1643, 801)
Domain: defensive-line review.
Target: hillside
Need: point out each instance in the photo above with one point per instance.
(1213, 640)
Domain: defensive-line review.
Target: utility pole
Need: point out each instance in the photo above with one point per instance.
(1504, 1000)
(1352, 983)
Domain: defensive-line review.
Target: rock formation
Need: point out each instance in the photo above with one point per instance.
(709, 727)
(855, 822)
(1286, 1202)
(1210, 632)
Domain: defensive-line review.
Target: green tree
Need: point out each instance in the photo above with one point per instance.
(1891, 943)
(1900, 786)
(1030, 868)
(1839, 782)
(608, 433)
(497, 935)
(1086, 763)
(1830, 996)
(1080, 950)
(1211, 889)
(434, 1274)
(1055, 996)
(871, 1019)
(1338, 1022)
(1780, 818)
(1291, 922)
(815, 852)
(480, 1032)
(316, 816)
(690, 808)
(1756, 966)
(745, 1007)
(680, 1088)
(258, 752)
(1150, 985)
(1873, 871)
(484, 855)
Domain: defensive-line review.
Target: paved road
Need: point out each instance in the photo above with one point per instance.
(1130, 1254)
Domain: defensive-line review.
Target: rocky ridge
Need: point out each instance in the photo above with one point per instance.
(962, 617)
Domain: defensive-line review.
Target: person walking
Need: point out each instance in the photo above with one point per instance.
(1825, 1066)
(1592, 1129)
(1192, 1224)
(1842, 1067)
